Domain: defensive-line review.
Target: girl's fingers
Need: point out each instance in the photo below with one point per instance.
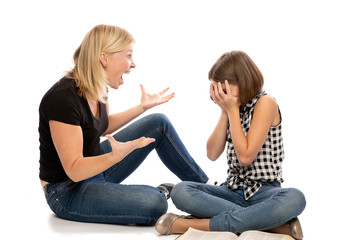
(216, 91)
(227, 86)
(211, 92)
(220, 90)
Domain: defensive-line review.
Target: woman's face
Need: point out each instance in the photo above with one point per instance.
(116, 64)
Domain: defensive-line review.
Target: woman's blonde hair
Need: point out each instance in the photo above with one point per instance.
(89, 74)
(238, 68)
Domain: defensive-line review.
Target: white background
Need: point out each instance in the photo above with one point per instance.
(308, 52)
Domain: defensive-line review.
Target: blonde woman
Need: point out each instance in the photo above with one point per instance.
(251, 198)
(80, 176)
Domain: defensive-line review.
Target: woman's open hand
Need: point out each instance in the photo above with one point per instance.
(121, 149)
(151, 100)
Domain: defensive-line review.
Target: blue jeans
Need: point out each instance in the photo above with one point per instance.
(228, 210)
(102, 199)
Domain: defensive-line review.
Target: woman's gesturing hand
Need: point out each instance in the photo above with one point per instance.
(121, 149)
(151, 100)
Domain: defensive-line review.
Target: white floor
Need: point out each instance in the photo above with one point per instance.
(59, 228)
(34, 220)
(62, 228)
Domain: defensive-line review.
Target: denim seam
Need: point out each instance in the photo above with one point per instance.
(113, 168)
(174, 146)
(185, 160)
(104, 216)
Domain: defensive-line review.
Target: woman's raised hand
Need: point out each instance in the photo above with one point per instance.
(121, 149)
(151, 100)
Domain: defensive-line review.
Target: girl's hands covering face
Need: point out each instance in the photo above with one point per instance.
(225, 95)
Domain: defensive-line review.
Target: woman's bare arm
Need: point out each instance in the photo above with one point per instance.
(68, 141)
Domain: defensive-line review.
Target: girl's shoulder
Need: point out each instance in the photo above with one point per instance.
(267, 99)
(267, 106)
(262, 98)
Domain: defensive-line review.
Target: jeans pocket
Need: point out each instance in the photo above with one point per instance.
(55, 191)
(49, 190)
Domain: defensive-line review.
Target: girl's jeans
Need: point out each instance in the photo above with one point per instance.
(228, 210)
(102, 199)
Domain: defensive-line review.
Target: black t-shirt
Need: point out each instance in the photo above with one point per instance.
(62, 103)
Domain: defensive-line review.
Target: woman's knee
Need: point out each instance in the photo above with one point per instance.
(146, 202)
(156, 204)
(158, 118)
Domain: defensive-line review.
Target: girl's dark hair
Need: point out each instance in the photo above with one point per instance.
(238, 68)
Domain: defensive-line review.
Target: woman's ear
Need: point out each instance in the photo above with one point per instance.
(103, 59)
